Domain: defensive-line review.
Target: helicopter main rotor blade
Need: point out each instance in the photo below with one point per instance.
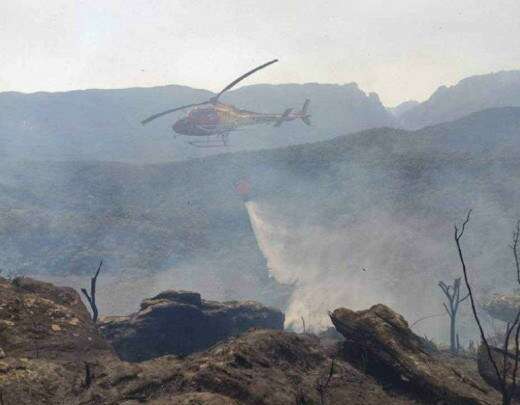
(212, 100)
(152, 117)
(236, 81)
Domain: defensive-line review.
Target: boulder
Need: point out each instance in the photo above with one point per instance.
(186, 297)
(47, 338)
(503, 307)
(380, 341)
(41, 321)
(180, 323)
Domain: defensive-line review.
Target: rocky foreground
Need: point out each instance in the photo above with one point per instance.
(181, 322)
(51, 353)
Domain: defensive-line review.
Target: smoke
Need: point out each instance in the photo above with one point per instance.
(372, 255)
(121, 293)
(357, 221)
(327, 268)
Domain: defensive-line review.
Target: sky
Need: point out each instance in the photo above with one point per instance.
(400, 49)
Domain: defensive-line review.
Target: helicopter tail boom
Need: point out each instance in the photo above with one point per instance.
(306, 118)
(283, 117)
(289, 115)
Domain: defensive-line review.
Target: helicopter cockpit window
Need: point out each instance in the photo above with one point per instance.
(204, 115)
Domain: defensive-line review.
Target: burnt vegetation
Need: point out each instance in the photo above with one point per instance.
(91, 298)
(504, 363)
(452, 293)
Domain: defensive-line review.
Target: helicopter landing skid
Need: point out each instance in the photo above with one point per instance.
(219, 141)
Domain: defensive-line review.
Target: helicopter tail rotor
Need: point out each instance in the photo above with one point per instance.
(307, 120)
(306, 117)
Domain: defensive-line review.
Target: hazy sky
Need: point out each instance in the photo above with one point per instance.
(401, 49)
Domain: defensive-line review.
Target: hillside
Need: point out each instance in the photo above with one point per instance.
(104, 125)
(470, 95)
(384, 200)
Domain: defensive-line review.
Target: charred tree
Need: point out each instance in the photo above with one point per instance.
(323, 384)
(452, 293)
(91, 298)
(88, 376)
(506, 377)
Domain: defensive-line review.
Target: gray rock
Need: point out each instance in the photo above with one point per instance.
(186, 297)
(503, 307)
(382, 342)
(180, 323)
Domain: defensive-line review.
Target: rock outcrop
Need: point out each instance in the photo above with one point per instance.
(41, 321)
(180, 323)
(380, 341)
(47, 340)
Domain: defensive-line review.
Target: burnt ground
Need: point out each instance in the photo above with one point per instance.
(53, 354)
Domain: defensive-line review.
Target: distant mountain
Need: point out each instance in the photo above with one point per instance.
(470, 95)
(383, 200)
(105, 124)
(400, 109)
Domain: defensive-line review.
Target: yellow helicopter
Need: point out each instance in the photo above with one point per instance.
(215, 120)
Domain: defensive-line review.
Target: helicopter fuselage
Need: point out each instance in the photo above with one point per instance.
(212, 117)
(223, 118)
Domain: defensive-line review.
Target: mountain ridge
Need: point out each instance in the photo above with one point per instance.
(104, 124)
(470, 94)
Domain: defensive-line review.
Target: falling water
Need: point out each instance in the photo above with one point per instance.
(316, 261)
(270, 239)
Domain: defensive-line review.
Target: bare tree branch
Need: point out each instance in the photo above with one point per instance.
(516, 237)
(447, 309)
(517, 352)
(452, 293)
(425, 318)
(458, 235)
(463, 299)
(92, 297)
(508, 390)
(322, 386)
(88, 375)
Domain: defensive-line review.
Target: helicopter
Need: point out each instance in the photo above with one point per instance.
(215, 120)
